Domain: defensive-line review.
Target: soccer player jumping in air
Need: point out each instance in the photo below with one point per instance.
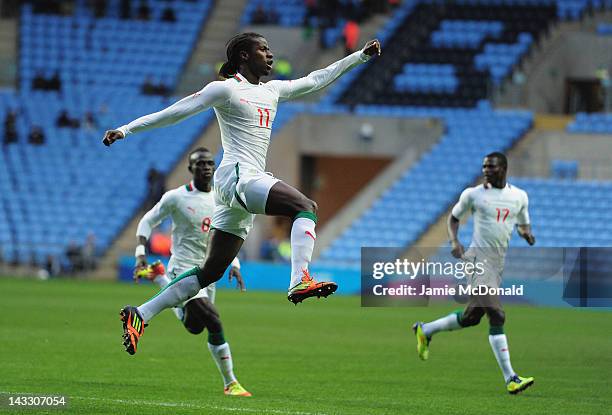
(191, 208)
(245, 109)
(497, 207)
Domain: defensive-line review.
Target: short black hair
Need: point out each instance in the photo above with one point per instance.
(198, 150)
(501, 157)
(235, 45)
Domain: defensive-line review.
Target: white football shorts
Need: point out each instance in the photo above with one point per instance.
(240, 192)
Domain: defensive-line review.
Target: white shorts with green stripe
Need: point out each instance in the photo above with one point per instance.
(240, 192)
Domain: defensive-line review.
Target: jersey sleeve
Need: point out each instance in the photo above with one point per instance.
(464, 204)
(152, 218)
(214, 94)
(318, 79)
(523, 215)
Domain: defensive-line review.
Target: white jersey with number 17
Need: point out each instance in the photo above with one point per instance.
(496, 212)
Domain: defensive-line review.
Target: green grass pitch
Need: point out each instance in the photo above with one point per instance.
(322, 357)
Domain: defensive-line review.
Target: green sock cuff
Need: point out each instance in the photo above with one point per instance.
(307, 215)
(216, 339)
(493, 330)
(459, 315)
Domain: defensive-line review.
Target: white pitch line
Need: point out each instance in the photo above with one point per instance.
(174, 404)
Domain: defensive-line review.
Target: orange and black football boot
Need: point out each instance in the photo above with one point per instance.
(308, 287)
(133, 327)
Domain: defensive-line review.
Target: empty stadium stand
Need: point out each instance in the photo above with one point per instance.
(59, 192)
(594, 123)
(482, 41)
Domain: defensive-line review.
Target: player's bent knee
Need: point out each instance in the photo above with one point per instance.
(193, 328)
(304, 205)
(192, 320)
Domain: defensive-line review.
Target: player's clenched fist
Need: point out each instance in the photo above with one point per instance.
(111, 136)
(372, 48)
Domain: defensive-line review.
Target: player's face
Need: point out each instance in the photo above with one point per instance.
(492, 170)
(202, 165)
(261, 58)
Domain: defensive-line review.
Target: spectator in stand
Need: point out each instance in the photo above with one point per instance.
(50, 268)
(156, 187)
(273, 16)
(168, 15)
(89, 121)
(46, 6)
(89, 253)
(98, 7)
(351, 36)
(9, 8)
(312, 11)
(394, 3)
(37, 136)
(259, 15)
(55, 83)
(148, 88)
(162, 89)
(10, 127)
(125, 9)
(74, 255)
(63, 120)
(47, 84)
(144, 12)
(39, 81)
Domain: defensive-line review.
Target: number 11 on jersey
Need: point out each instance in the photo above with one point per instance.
(261, 116)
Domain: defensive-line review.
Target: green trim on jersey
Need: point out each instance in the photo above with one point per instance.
(236, 195)
(307, 215)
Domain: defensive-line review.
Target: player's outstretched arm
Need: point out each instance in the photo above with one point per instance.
(213, 94)
(524, 232)
(319, 79)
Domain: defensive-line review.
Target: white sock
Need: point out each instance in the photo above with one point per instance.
(302, 243)
(446, 323)
(173, 294)
(223, 358)
(499, 344)
(162, 281)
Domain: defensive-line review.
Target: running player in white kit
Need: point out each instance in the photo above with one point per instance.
(497, 207)
(245, 109)
(191, 208)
